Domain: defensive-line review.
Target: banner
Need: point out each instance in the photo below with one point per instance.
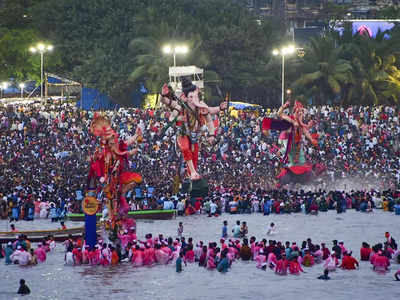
(90, 230)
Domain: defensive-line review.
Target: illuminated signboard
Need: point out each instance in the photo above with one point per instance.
(368, 27)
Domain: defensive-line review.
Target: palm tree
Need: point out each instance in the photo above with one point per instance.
(376, 76)
(152, 65)
(160, 27)
(325, 72)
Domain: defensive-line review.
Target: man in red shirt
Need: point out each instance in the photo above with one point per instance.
(365, 252)
(349, 262)
(325, 252)
(197, 205)
(77, 252)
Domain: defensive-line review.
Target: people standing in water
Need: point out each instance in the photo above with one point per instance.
(179, 262)
(281, 257)
(349, 262)
(397, 275)
(180, 229)
(23, 288)
(225, 229)
(272, 229)
(325, 275)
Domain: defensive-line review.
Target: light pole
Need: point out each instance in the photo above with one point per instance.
(182, 49)
(283, 52)
(4, 86)
(22, 86)
(42, 49)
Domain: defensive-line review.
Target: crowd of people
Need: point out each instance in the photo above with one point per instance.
(22, 251)
(281, 257)
(44, 152)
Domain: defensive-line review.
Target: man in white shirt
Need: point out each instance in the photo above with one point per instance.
(21, 256)
(213, 208)
(168, 204)
(180, 206)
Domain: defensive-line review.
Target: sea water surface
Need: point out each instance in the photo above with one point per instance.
(54, 280)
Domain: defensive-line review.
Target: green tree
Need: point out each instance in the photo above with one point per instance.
(232, 46)
(15, 59)
(15, 14)
(324, 72)
(376, 76)
(92, 38)
(114, 46)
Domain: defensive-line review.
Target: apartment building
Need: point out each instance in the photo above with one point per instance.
(310, 13)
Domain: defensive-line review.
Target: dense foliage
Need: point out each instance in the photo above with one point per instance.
(115, 46)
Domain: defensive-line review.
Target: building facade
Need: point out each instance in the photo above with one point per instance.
(309, 13)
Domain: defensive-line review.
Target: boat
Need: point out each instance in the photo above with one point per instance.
(59, 235)
(137, 214)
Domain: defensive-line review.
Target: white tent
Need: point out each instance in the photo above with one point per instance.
(196, 75)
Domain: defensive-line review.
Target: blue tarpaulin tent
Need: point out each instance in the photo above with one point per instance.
(93, 99)
(90, 98)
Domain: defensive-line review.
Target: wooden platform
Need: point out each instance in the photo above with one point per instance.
(138, 214)
(39, 235)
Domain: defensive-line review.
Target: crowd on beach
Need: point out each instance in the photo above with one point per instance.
(44, 167)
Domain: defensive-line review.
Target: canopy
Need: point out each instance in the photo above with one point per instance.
(57, 85)
(195, 74)
(184, 71)
(243, 105)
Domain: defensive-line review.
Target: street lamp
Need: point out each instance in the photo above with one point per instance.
(177, 49)
(283, 52)
(4, 86)
(41, 48)
(22, 86)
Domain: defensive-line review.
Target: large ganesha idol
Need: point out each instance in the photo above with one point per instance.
(109, 173)
(189, 113)
(295, 167)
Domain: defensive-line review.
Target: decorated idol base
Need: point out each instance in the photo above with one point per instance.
(196, 188)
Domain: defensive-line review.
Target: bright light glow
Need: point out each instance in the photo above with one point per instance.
(22, 85)
(288, 50)
(182, 49)
(291, 49)
(41, 47)
(275, 52)
(167, 49)
(289, 91)
(4, 85)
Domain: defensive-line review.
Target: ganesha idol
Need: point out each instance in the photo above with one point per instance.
(293, 130)
(189, 113)
(109, 165)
